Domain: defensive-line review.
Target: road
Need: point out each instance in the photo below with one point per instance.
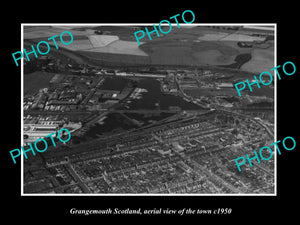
(77, 178)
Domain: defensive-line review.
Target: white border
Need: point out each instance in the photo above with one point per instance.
(275, 107)
(149, 24)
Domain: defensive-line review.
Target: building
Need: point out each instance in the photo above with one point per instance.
(225, 85)
(32, 132)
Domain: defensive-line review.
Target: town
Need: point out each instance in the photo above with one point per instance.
(144, 126)
(192, 151)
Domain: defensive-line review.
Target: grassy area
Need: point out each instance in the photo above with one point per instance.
(263, 90)
(35, 81)
(124, 32)
(109, 59)
(262, 60)
(189, 53)
(180, 47)
(239, 60)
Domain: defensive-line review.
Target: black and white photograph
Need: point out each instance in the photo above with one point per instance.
(142, 111)
(159, 116)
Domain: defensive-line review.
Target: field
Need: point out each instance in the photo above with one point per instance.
(87, 43)
(35, 81)
(262, 60)
(124, 33)
(196, 46)
(190, 53)
(102, 40)
(213, 57)
(108, 59)
(120, 47)
(263, 90)
(218, 36)
(75, 45)
(241, 37)
(86, 40)
(47, 31)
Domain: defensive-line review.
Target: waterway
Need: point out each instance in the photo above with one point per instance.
(150, 100)
(114, 83)
(155, 99)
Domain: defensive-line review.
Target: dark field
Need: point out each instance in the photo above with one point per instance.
(109, 59)
(263, 90)
(35, 81)
(174, 53)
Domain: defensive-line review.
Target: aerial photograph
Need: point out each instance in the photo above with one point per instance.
(159, 117)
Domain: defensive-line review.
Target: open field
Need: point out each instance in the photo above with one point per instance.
(47, 31)
(169, 53)
(104, 58)
(262, 91)
(91, 42)
(102, 40)
(233, 44)
(75, 45)
(262, 60)
(196, 46)
(213, 57)
(241, 37)
(124, 33)
(35, 81)
(218, 36)
(86, 39)
(190, 53)
(120, 47)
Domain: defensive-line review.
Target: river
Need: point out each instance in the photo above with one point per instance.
(154, 98)
(151, 100)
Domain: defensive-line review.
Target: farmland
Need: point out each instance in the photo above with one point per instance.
(119, 47)
(262, 60)
(85, 40)
(190, 53)
(196, 46)
(47, 31)
(103, 40)
(108, 59)
(218, 36)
